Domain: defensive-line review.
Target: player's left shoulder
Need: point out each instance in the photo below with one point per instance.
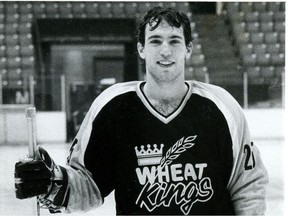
(212, 91)
(220, 97)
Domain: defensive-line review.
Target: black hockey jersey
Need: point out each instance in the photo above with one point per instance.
(198, 160)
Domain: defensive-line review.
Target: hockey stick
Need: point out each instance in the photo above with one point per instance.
(30, 115)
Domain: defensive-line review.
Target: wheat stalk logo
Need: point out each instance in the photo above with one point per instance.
(180, 146)
(174, 152)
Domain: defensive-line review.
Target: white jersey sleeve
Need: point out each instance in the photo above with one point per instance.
(249, 177)
(247, 184)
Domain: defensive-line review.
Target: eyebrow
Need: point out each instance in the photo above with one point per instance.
(158, 37)
(176, 37)
(154, 37)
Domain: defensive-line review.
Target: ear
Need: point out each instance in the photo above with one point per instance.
(189, 49)
(141, 50)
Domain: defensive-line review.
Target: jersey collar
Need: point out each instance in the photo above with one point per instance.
(153, 111)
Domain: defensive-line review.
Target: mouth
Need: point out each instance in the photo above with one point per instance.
(165, 63)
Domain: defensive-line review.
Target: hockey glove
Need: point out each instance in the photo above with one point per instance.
(41, 177)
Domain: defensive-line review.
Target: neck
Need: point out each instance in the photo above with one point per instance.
(165, 91)
(165, 97)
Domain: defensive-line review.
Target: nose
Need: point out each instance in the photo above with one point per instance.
(165, 50)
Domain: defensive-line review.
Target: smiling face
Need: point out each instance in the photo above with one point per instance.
(164, 52)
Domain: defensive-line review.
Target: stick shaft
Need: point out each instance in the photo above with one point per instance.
(32, 144)
(30, 115)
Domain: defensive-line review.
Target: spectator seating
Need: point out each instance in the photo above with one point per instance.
(259, 31)
(196, 68)
(16, 47)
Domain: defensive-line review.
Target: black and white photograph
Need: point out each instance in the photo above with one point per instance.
(142, 108)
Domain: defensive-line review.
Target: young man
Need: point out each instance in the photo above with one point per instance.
(165, 145)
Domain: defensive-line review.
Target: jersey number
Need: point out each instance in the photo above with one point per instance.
(249, 156)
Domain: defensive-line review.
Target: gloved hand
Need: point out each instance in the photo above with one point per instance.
(41, 177)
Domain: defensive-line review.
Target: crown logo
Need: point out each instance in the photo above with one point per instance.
(149, 156)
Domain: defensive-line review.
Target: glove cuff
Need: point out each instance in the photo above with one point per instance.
(57, 197)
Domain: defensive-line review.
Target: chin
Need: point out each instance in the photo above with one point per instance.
(166, 77)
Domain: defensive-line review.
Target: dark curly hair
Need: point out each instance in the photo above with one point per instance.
(172, 16)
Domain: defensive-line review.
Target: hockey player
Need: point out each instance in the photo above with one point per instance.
(165, 145)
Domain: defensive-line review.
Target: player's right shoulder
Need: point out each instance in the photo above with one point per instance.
(103, 101)
(119, 88)
(116, 90)
(112, 92)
